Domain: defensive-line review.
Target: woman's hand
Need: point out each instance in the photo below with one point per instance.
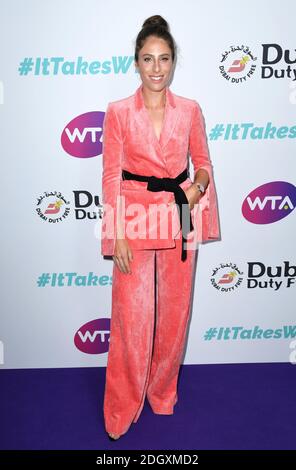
(123, 255)
(193, 196)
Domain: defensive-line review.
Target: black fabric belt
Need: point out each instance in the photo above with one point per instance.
(171, 185)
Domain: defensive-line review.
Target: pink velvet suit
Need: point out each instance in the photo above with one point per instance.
(148, 325)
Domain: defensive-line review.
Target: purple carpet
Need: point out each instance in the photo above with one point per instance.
(228, 406)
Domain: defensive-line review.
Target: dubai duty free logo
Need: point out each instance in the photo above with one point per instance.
(52, 207)
(269, 202)
(237, 64)
(226, 277)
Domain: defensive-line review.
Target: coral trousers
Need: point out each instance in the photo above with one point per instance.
(147, 334)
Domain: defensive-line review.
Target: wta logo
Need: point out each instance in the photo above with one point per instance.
(82, 137)
(93, 337)
(270, 202)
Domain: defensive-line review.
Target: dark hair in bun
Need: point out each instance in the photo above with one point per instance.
(156, 20)
(157, 26)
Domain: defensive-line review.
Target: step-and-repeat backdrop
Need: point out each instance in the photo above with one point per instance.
(61, 63)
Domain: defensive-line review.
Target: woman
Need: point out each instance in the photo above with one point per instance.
(146, 138)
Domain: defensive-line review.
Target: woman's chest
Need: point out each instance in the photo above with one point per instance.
(162, 130)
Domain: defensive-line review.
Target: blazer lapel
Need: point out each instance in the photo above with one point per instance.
(171, 116)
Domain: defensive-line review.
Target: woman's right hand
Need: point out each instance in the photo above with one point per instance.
(123, 255)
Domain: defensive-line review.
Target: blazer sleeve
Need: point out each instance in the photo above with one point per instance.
(112, 150)
(199, 153)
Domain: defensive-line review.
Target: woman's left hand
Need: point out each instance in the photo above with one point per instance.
(193, 196)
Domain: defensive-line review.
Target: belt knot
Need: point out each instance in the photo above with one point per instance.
(162, 184)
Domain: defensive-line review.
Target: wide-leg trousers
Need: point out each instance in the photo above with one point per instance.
(147, 334)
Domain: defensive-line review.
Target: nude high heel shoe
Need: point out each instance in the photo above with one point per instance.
(113, 437)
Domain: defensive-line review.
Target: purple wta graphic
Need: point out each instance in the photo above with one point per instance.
(270, 202)
(82, 137)
(93, 337)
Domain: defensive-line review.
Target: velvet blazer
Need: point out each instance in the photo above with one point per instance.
(130, 143)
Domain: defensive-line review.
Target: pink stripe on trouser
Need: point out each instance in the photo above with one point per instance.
(141, 360)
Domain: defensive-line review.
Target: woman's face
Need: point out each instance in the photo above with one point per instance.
(155, 60)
